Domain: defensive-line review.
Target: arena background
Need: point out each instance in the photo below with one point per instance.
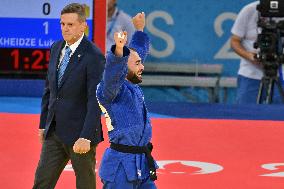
(194, 32)
(190, 31)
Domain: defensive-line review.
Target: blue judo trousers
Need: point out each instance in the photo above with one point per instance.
(127, 120)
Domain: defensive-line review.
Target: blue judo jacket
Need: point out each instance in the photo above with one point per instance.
(127, 120)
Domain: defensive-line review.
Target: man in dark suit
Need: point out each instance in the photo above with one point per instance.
(70, 126)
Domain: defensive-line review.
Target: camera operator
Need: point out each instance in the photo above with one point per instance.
(250, 73)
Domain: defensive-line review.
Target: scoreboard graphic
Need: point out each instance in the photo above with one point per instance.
(29, 28)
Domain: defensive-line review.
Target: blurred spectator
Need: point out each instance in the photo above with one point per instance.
(117, 21)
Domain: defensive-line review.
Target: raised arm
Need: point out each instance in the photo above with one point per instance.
(140, 41)
(116, 68)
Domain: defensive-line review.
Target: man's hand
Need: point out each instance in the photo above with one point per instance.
(252, 58)
(139, 21)
(236, 44)
(120, 39)
(82, 146)
(40, 135)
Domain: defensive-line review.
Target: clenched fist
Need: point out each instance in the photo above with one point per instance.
(81, 146)
(120, 39)
(139, 21)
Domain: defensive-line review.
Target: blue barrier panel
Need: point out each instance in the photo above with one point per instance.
(17, 87)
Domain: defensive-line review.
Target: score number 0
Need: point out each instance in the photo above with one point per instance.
(46, 8)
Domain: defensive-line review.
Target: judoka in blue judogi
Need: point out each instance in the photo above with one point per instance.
(128, 163)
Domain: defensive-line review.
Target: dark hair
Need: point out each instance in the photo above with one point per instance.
(75, 8)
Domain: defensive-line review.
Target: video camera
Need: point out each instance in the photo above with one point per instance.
(269, 41)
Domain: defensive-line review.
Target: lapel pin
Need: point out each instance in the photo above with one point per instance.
(79, 55)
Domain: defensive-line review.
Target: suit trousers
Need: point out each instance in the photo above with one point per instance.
(54, 157)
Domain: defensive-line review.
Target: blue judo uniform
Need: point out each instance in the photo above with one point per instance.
(127, 121)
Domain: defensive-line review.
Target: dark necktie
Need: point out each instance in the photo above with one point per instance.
(63, 65)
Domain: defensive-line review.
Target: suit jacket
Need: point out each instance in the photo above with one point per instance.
(73, 104)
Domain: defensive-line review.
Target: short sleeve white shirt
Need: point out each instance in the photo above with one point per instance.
(246, 28)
